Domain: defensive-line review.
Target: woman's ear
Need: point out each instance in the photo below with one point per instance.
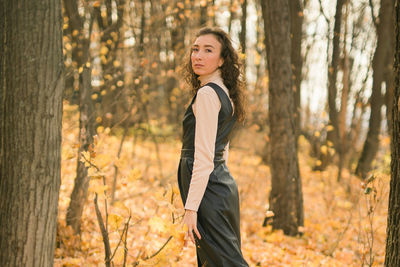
(221, 62)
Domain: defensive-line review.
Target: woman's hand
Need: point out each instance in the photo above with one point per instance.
(190, 219)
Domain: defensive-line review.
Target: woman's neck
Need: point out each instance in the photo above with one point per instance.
(212, 77)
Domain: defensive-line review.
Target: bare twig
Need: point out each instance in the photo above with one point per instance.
(158, 251)
(114, 185)
(323, 12)
(371, 5)
(122, 236)
(104, 233)
(125, 238)
(105, 191)
(341, 235)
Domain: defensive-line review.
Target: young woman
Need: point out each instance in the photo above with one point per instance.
(208, 190)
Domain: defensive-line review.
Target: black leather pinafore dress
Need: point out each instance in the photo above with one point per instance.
(218, 218)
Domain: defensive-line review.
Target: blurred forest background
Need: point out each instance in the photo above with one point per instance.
(328, 64)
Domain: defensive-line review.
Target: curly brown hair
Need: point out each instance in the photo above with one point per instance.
(231, 70)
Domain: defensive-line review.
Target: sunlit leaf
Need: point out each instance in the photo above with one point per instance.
(157, 224)
(115, 221)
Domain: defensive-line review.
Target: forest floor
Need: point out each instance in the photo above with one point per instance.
(343, 226)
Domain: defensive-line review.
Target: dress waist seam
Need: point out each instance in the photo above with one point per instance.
(189, 153)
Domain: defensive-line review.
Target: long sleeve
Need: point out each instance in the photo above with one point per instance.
(205, 108)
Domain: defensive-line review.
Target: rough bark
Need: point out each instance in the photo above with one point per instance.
(392, 256)
(31, 87)
(379, 66)
(86, 133)
(285, 199)
(87, 129)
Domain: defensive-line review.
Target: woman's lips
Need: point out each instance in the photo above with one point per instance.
(198, 65)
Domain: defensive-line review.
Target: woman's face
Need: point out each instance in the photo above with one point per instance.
(205, 56)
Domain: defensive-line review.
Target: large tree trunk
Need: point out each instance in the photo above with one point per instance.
(297, 17)
(87, 117)
(382, 52)
(286, 199)
(31, 87)
(392, 257)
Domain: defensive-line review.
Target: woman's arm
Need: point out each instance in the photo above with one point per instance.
(206, 109)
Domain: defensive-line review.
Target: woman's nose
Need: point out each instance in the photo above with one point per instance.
(198, 55)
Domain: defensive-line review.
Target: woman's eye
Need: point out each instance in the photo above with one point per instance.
(195, 49)
(208, 50)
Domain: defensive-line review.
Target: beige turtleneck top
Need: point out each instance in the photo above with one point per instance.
(205, 108)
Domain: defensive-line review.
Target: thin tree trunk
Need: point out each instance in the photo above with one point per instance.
(389, 80)
(389, 95)
(231, 17)
(86, 133)
(243, 31)
(286, 199)
(203, 14)
(344, 97)
(31, 87)
(86, 111)
(392, 256)
(333, 133)
(113, 101)
(355, 128)
(297, 17)
(379, 62)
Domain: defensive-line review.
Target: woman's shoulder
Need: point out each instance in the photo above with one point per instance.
(207, 90)
(210, 90)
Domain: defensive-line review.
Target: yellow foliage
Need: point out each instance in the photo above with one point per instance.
(157, 224)
(99, 189)
(72, 262)
(102, 160)
(103, 50)
(333, 216)
(134, 174)
(115, 221)
(116, 63)
(85, 158)
(330, 128)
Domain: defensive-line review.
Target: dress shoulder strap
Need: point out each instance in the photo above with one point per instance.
(221, 94)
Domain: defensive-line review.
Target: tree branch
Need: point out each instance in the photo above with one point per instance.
(104, 233)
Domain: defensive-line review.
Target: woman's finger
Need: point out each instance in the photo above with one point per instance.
(197, 232)
(191, 236)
